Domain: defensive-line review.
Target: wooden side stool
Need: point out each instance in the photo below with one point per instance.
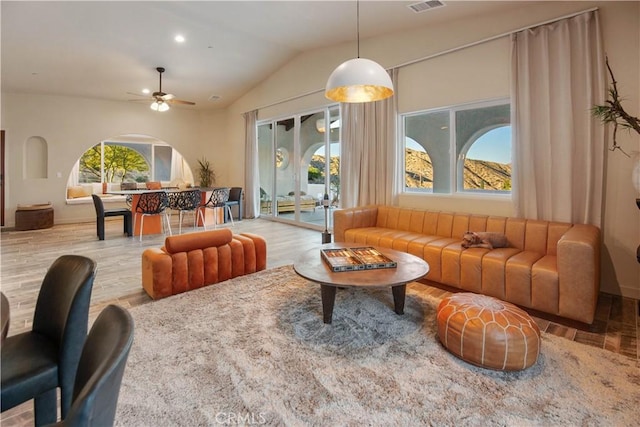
(34, 217)
(488, 332)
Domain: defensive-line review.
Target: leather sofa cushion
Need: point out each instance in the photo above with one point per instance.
(192, 241)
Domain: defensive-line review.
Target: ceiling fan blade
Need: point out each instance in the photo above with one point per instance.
(137, 94)
(168, 96)
(140, 100)
(179, 101)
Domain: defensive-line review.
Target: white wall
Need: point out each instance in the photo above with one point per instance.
(71, 126)
(620, 23)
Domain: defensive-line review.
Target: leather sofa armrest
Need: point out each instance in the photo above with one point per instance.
(345, 219)
(157, 268)
(579, 272)
(260, 248)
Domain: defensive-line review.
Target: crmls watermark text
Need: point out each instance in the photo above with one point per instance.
(231, 418)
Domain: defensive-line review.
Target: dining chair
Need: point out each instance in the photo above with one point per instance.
(102, 213)
(219, 197)
(186, 201)
(100, 371)
(152, 204)
(153, 185)
(235, 199)
(128, 186)
(35, 363)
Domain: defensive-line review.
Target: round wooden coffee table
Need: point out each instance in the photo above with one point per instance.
(311, 266)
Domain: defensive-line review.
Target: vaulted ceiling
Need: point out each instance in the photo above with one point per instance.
(106, 49)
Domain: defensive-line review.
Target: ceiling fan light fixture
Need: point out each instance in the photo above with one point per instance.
(159, 106)
(359, 80)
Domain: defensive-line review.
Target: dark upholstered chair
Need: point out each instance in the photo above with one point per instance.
(4, 312)
(101, 214)
(218, 199)
(35, 363)
(150, 204)
(235, 199)
(100, 371)
(186, 201)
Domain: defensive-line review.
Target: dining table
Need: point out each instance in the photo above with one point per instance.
(153, 224)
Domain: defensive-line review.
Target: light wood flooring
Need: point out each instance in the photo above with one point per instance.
(26, 256)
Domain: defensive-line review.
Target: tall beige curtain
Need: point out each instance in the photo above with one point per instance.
(557, 76)
(251, 171)
(368, 170)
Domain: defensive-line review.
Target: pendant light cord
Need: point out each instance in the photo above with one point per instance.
(358, 25)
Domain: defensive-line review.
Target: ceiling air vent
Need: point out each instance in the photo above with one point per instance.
(425, 5)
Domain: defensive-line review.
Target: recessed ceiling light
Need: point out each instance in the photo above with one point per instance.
(179, 38)
(145, 91)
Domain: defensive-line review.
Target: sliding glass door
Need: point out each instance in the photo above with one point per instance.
(300, 166)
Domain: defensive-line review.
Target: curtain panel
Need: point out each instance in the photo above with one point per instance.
(251, 169)
(559, 148)
(368, 170)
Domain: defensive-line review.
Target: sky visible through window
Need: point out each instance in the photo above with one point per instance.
(493, 146)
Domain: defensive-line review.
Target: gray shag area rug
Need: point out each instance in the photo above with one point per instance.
(254, 350)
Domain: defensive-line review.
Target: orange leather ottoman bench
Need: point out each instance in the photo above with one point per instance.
(191, 261)
(487, 332)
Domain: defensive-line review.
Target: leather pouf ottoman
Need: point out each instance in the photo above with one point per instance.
(488, 332)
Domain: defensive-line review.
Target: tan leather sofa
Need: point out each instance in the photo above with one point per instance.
(550, 267)
(194, 260)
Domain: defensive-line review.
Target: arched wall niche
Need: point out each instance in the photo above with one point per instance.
(36, 158)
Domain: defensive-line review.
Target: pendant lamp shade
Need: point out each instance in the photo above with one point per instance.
(359, 80)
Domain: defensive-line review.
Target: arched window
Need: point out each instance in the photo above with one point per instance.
(134, 159)
(486, 161)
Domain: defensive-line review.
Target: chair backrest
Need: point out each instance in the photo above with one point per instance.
(152, 203)
(4, 311)
(97, 203)
(104, 357)
(153, 185)
(128, 186)
(62, 310)
(185, 200)
(235, 194)
(218, 196)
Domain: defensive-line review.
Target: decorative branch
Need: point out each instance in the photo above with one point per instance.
(613, 112)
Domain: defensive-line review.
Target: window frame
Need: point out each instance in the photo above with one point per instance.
(456, 159)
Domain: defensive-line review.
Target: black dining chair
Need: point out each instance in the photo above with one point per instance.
(100, 371)
(186, 201)
(102, 213)
(235, 199)
(218, 199)
(35, 363)
(153, 204)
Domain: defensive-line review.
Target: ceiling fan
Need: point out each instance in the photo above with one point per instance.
(161, 100)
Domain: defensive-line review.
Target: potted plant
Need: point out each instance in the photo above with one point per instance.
(205, 173)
